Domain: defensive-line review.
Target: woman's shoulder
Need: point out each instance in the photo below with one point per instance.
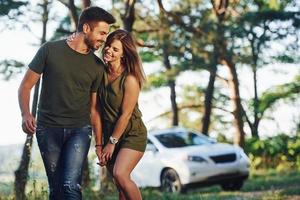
(130, 79)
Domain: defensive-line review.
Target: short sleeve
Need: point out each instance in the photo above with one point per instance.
(96, 83)
(38, 63)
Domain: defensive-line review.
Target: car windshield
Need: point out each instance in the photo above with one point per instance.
(183, 139)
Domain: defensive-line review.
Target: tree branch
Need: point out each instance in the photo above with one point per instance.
(141, 43)
(179, 21)
(64, 3)
(222, 79)
(182, 107)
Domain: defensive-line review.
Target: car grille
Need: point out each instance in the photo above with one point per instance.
(225, 158)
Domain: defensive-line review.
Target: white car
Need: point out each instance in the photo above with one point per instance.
(177, 159)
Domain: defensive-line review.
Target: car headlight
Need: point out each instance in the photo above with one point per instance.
(242, 154)
(196, 159)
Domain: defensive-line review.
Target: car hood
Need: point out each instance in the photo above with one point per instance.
(207, 149)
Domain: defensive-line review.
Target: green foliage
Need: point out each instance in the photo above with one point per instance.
(222, 138)
(9, 6)
(148, 56)
(287, 90)
(283, 182)
(161, 78)
(279, 152)
(8, 68)
(285, 59)
(271, 4)
(265, 184)
(260, 16)
(155, 81)
(64, 29)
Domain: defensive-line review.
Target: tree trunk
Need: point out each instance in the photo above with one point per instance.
(239, 137)
(220, 8)
(254, 127)
(172, 85)
(164, 37)
(208, 100)
(73, 13)
(128, 17)
(86, 3)
(86, 174)
(107, 185)
(21, 174)
(210, 90)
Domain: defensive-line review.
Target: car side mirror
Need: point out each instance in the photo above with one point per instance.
(151, 147)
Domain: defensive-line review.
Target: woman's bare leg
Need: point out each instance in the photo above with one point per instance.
(121, 193)
(126, 161)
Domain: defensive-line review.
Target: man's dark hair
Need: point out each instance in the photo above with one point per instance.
(94, 14)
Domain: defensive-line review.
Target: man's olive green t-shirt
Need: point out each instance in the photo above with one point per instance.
(68, 78)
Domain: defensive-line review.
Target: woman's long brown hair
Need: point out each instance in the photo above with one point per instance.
(131, 59)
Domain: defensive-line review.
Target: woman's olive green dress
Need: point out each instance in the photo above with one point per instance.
(111, 98)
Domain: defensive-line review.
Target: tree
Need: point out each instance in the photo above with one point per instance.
(11, 8)
(21, 174)
(226, 59)
(10, 11)
(128, 17)
(259, 29)
(70, 4)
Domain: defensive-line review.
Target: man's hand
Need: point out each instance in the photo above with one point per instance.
(99, 155)
(28, 124)
(28, 121)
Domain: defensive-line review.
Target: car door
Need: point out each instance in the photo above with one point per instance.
(148, 170)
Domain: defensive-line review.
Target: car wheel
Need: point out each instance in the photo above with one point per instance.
(170, 181)
(232, 185)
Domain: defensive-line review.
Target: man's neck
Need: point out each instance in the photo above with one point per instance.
(78, 44)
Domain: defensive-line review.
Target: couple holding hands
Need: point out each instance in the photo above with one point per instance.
(81, 94)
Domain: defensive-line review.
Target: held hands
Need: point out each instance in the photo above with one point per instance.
(28, 124)
(108, 151)
(99, 154)
(105, 154)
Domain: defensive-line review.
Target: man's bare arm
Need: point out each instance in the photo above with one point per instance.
(28, 121)
(96, 124)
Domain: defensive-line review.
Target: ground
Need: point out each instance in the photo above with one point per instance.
(261, 185)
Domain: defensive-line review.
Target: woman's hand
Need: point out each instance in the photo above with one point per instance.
(107, 152)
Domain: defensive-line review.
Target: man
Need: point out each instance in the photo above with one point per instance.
(71, 75)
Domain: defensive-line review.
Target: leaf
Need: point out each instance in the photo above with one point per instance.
(6, 6)
(8, 68)
(279, 92)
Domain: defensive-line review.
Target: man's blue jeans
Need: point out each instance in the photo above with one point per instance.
(64, 151)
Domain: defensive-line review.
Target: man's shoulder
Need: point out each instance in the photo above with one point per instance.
(98, 61)
(55, 43)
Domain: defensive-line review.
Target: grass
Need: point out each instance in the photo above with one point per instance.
(262, 185)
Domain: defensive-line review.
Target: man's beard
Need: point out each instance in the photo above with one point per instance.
(90, 44)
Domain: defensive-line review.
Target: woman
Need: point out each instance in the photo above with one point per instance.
(124, 133)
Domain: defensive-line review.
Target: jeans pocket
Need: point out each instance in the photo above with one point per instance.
(40, 128)
(40, 134)
(87, 129)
